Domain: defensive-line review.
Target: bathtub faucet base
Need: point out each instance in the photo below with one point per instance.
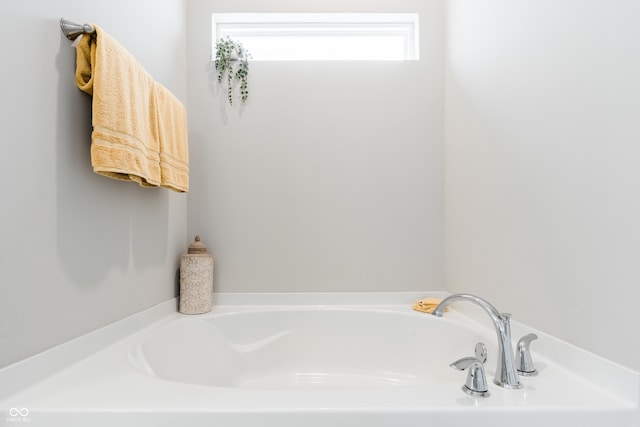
(506, 372)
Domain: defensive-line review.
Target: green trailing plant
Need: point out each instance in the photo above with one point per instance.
(232, 63)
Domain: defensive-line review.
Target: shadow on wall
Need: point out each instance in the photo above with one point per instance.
(102, 223)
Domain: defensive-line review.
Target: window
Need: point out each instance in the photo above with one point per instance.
(322, 36)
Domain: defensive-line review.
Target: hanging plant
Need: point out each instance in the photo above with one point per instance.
(232, 63)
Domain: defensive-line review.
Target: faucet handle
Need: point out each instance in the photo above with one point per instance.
(524, 361)
(481, 352)
(476, 384)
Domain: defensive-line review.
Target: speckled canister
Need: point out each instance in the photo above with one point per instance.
(196, 280)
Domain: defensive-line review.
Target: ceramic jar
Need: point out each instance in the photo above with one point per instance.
(196, 280)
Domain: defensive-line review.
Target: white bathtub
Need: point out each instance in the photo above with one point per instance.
(316, 365)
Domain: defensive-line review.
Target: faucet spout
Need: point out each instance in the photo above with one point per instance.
(506, 373)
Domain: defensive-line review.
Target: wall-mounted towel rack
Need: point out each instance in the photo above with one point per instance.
(73, 30)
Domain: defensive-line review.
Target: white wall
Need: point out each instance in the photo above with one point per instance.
(77, 250)
(541, 172)
(331, 178)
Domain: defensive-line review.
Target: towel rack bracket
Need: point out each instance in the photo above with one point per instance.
(72, 30)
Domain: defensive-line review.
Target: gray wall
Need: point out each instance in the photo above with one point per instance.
(77, 250)
(331, 177)
(542, 202)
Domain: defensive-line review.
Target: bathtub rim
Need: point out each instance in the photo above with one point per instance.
(619, 380)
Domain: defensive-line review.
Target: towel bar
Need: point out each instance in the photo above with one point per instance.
(73, 30)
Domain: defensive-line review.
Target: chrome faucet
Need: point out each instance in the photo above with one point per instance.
(506, 373)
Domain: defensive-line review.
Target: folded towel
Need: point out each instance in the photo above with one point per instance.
(427, 305)
(134, 118)
(174, 155)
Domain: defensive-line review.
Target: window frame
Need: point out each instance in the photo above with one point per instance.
(298, 25)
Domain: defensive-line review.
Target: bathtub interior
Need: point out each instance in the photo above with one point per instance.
(308, 349)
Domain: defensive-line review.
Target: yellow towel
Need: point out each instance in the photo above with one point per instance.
(427, 305)
(134, 118)
(174, 154)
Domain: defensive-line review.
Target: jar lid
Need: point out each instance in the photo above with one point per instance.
(197, 247)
